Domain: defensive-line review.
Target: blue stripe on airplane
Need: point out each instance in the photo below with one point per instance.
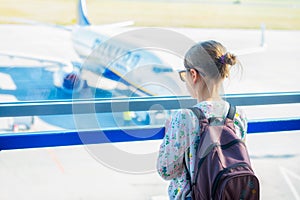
(115, 77)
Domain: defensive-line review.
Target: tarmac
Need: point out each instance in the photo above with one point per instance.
(75, 172)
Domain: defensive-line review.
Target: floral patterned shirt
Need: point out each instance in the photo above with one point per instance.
(181, 141)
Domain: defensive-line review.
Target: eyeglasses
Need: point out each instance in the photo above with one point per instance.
(182, 73)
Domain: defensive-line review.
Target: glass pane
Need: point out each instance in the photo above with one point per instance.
(267, 55)
(60, 61)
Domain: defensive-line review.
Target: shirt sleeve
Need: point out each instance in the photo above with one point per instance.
(240, 122)
(179, 132)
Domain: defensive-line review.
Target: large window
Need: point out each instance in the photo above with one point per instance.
(49, 57)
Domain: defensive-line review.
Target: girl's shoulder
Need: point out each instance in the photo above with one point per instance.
(210, 109)
(220, 109)
(181, 115)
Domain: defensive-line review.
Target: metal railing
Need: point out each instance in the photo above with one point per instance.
(135, 104)
(65, 138)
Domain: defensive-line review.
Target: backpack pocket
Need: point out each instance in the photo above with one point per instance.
(236, 183)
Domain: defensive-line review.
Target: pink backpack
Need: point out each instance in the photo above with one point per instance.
(223, 169)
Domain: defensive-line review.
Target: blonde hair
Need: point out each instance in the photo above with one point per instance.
(210, 58)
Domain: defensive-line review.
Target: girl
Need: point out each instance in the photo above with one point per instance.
(206, 64)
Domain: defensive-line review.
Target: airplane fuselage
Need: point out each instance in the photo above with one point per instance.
(118, 57)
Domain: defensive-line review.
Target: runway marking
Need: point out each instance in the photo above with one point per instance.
(285, 173)
(56, 160)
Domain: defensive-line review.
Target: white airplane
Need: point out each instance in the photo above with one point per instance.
(123, 57)
(121, 62)
(111, 59)
(114, 60)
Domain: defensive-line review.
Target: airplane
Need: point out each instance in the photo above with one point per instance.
(98, 48)
(119, 57)
(120, 65)
(116, 60)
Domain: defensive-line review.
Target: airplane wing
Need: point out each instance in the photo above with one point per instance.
(44, 59)
(118, 24)
(65, 74)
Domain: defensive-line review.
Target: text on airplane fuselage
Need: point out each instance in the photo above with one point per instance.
(110, 54)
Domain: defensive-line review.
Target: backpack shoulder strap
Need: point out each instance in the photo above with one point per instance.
(198, 112)
(231, 112)
(189, 178)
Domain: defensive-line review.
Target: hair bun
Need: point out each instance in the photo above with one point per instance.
(229, 59)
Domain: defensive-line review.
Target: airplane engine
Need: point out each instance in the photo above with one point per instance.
(69, 81)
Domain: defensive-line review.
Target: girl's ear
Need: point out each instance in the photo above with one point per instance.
(194, 75)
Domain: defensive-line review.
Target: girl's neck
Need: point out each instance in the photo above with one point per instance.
(212, 95)
(212, 99)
